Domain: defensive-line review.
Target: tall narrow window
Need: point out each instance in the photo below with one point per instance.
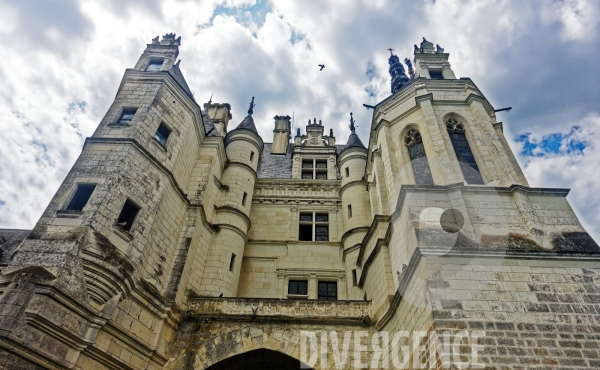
(418, 158)
(127, 116)
(81, 197)
(349, 210)
(244, 198)
(232, 262)
(354, 278)
(347, 172)
(327, 291)
(155, 65)
(162, 134)
(465, 157)
(127, 216)
(251, 156)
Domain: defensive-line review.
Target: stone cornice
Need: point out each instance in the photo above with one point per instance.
(297, 191)
(279, 310)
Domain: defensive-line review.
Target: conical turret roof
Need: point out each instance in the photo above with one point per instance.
(248, 122)
(353, 140)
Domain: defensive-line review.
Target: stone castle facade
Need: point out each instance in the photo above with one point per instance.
(176, 242)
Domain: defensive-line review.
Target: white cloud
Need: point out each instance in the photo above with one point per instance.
(535, 56)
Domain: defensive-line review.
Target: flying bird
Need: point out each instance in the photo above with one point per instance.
(322, 66)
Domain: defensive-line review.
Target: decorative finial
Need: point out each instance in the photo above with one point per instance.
(314, 121)
(391, 51)
(251, 109)
(209, 102)
(424, 39)
(320, 124)
(331, 132)
(417, 49)
(309, 121)
(439, 49)
(352, 128)
(298, 131)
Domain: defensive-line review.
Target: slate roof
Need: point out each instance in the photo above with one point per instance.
(178, 76)
(248, 124)
(279, 166)
(209, 126)
(354, 141)
(9, 241)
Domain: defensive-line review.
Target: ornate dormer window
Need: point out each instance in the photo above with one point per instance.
(466, 159)
(418, 157)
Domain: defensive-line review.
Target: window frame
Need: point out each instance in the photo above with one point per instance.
(131, 220)
(314, 224)
(74, 197)
(166, 139)
(232, 262)
(155, 61)
(413, 139)
(298, 291)
(470, 171)
(126, 111)
(314, 170)
(439, 73)
(327, 297)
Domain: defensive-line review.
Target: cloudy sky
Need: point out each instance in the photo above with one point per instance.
(62, 61)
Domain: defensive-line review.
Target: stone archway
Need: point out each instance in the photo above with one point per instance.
(259, 359)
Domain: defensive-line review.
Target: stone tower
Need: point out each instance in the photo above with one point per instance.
(176, 242)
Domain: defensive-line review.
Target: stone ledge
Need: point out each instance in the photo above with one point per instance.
(271, 309)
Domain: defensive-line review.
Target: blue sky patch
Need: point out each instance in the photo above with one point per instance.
(246, 15)
(370, 72)
(552, 144)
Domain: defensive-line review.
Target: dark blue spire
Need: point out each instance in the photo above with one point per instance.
(399, 78)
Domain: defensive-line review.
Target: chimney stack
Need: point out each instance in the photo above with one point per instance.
(281, 134)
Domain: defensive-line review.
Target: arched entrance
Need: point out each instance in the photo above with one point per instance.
(258, 359)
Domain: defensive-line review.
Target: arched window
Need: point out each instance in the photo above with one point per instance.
(465, 157)
(418, 158)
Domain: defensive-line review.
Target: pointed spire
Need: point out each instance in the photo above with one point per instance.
(399, 78)
(353, 140)
(251, 109)
(248, 122)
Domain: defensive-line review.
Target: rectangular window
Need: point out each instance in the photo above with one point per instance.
(314, 169)
(155, 65)
(314, 227)
(127, 216)
(354, 279)
(81, 197)
(347, 172)
(127, 116)
(162, 134)
(327, 291)
(298, 287)
(436, 75)
(232, 262)
(349, 211)
(321, 164)
(251, 156)
(244, 198)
